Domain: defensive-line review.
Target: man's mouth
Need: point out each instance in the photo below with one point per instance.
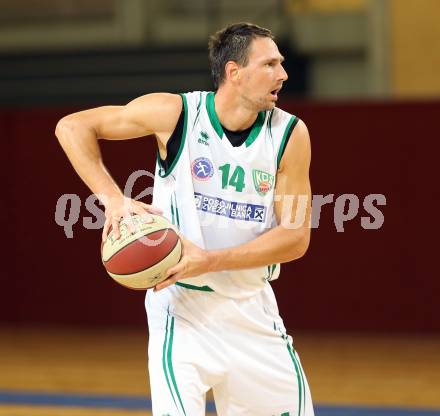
(275, 92)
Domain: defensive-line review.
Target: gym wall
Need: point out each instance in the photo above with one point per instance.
(373, 280)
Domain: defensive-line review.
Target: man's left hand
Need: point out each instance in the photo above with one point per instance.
(194, 261)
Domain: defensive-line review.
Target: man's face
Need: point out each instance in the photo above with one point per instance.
(262, 78)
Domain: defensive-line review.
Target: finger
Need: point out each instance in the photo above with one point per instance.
(151, 208)
(146, 217)
(179, 267)
(132, 226)
(105, 230)
(115, 226)
(166, 283)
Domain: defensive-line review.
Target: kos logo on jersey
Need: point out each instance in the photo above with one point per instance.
(202, 169)
(263, 181)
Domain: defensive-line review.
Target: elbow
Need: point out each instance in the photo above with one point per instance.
(299, 245)
(64, 126)
(70, 126)
(304, 244)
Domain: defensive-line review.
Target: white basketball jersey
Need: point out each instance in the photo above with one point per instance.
(222, 196)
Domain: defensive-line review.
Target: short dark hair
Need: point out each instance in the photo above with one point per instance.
(232, 44)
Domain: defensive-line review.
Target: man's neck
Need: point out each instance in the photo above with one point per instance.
(231, 112)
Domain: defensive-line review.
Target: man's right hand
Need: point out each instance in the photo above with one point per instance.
(121, 208)
(153, 115)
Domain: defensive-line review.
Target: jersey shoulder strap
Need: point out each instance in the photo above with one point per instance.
(176, 141)
(281, 123)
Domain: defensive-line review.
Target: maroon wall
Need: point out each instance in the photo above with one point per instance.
(356, 280)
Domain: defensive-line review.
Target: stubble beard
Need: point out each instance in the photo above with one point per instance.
(259, 104)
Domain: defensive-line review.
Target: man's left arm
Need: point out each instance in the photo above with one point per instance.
(286, 242)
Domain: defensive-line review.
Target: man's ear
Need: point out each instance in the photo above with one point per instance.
(232, 71)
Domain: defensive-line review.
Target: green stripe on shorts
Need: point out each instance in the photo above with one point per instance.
(299, 373)
(165, 341)
(170, 364)
(298, 376)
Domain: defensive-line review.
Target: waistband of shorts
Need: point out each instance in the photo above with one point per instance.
(193, 287)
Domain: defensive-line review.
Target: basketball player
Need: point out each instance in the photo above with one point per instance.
(230, 164)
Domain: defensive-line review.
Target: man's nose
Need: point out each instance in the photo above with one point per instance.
(283, 74)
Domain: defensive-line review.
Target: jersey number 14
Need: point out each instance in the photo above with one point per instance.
(235, 180)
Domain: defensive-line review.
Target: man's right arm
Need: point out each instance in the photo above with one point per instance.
(79, 133)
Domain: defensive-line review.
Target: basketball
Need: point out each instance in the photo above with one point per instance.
(139, 260)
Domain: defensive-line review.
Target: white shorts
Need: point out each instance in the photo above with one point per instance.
(238, 347)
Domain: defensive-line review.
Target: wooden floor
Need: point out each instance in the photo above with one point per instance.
(355, 369)
(56, 411)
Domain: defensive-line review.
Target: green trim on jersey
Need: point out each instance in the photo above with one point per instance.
(293, 119)
(177, 213)
(215, 122)
(269, 123)
(258, 125)
(192, 287)
(199, 105)
(210, 108)
(162, 172)
(174, 211)
(271, 268)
